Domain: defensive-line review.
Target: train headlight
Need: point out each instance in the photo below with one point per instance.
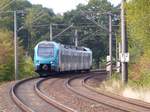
(45, 67)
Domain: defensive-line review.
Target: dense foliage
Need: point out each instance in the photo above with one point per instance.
(90, 34)
(7, 58)
(33, 26)
(138, 23)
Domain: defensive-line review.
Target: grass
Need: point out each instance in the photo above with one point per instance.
(137, 93)
(3, 82)
(139, 89)
(113, 85)
(20, 78)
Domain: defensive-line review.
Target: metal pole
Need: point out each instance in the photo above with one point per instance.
(116, 52)
(110, 43)
(119, 57)
(124, 44)
(51, 32)
(76, 38)
(15, 46)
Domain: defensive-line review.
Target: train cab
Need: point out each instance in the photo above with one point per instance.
(46, 56)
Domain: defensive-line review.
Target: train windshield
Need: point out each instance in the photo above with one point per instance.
(46, 50)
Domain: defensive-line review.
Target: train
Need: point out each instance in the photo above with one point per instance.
(50, 56)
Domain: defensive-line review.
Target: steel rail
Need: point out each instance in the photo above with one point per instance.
(16, 99)
(108, 103)
(50, 100)
(24, 107)
(114, 96)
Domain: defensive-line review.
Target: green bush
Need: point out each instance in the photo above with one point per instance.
(25, 65)
(27, 69)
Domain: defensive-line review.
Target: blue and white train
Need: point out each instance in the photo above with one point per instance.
(50, 57)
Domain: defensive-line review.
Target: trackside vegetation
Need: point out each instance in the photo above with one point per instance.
(7, 58)
(138, 25)
(138, 30)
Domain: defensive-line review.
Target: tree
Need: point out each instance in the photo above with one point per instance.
(7, 58)
(138, 15)
(90, 35)
(37, 22)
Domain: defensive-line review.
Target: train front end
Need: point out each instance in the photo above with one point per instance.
(46, 57)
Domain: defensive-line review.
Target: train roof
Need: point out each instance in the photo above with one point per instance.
(66, 46)
(47, 42)
(75, 48)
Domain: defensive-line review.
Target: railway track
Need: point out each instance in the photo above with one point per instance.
(51, 100)
(56, 88)
(16, 98)
(24, 95)
(118, 97)
(79, 86)
(30, 96)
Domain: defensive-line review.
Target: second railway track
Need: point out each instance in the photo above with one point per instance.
(115, 96)
(55, 88)
(80, 87)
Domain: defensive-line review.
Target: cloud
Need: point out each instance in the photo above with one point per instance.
(59, 6)
(115, 2)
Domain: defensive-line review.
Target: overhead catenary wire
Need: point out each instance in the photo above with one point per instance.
(38, 18)
(104, 28)
(6, 5)
(62, 31)
(90, 34)
(47, 25)
(79, 25)
(38, 14)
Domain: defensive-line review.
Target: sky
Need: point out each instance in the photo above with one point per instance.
(61, 6)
